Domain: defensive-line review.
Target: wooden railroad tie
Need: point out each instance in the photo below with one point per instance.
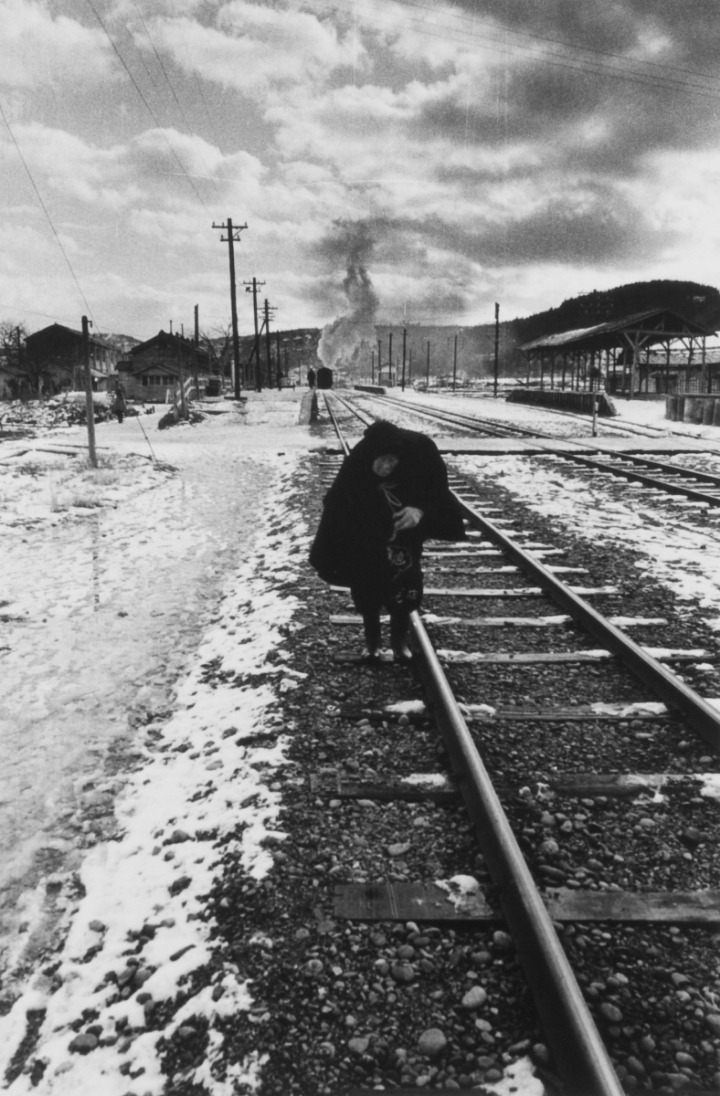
(437, 788)
(440, 904)
(485, 713)
(503, 621)
(502, 592)
(541, 657)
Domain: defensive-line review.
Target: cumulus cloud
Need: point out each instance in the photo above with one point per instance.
(38, 48)
(503, 147)
(253, 45)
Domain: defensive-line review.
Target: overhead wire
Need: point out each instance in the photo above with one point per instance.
(161, 65)
(149, 109)
(497, 40)
(45, 211)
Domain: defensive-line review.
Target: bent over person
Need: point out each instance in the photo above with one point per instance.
(390, 495)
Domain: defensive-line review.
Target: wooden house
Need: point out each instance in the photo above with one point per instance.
(55, 357)
(152, 370)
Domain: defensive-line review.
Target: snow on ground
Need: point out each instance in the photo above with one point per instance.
(195, 779)
(142, 586)
(196, 784)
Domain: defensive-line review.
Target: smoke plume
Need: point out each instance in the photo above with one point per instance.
(342, 340)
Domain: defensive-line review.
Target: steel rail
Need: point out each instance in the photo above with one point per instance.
(456, 418)
(694, 493)
(364, 418)
(576, 1044)
(700, 714)
(590, 460)
(341, 437)
(672, 469)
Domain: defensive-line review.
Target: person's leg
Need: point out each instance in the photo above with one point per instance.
(399, 620)
(371, 627)
(367, 605)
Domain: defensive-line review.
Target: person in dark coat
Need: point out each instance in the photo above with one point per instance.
(119, 405)
(390, 495)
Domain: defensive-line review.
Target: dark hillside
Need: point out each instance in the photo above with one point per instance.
(700, 303)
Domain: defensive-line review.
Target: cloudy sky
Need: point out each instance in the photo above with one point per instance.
(462, 153)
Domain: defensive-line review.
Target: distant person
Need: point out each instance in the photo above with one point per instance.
(390, 495)
(120, 401)
(311, 375)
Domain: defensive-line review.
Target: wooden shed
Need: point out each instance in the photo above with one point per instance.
(628, 356)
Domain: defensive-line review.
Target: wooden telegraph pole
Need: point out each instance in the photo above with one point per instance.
(497, 350)
(267, 343)
(181, 377)
(233, 235)
(89, 407)
(252, 287)
(196, 340)
(403, 357)
(455, 362)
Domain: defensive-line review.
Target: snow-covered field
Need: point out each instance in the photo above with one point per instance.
(117, 588)
(111, 612)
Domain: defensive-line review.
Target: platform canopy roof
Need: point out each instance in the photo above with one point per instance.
(657, 325)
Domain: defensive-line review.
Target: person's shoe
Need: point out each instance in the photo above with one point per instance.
(403, 654)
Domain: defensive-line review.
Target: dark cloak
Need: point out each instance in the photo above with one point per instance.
(351, 543)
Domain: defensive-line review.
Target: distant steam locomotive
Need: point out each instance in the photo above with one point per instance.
(324, 378)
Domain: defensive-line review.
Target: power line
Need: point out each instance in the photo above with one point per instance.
(499, 44)
(45, 210)
(474, 21)
(162, 67)
(147, 105)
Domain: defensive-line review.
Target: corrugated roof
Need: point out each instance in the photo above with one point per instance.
(603, 332)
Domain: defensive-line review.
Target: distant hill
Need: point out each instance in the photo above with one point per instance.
(699, 303)
(124, 343)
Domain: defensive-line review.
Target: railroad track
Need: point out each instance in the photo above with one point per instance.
(691, 484)
(532, 887)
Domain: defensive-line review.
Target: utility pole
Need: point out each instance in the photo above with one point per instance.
(497, 349)
(390, 358)
(252, 287)
(196, 341)
(379, 361)
(267, 343)
(181, 378)
(233, 235)
(372, 368)
(455, 363)
(89, 408)
(427, 367)
(403, 357)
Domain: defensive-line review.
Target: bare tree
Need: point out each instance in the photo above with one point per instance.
(13, 353)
